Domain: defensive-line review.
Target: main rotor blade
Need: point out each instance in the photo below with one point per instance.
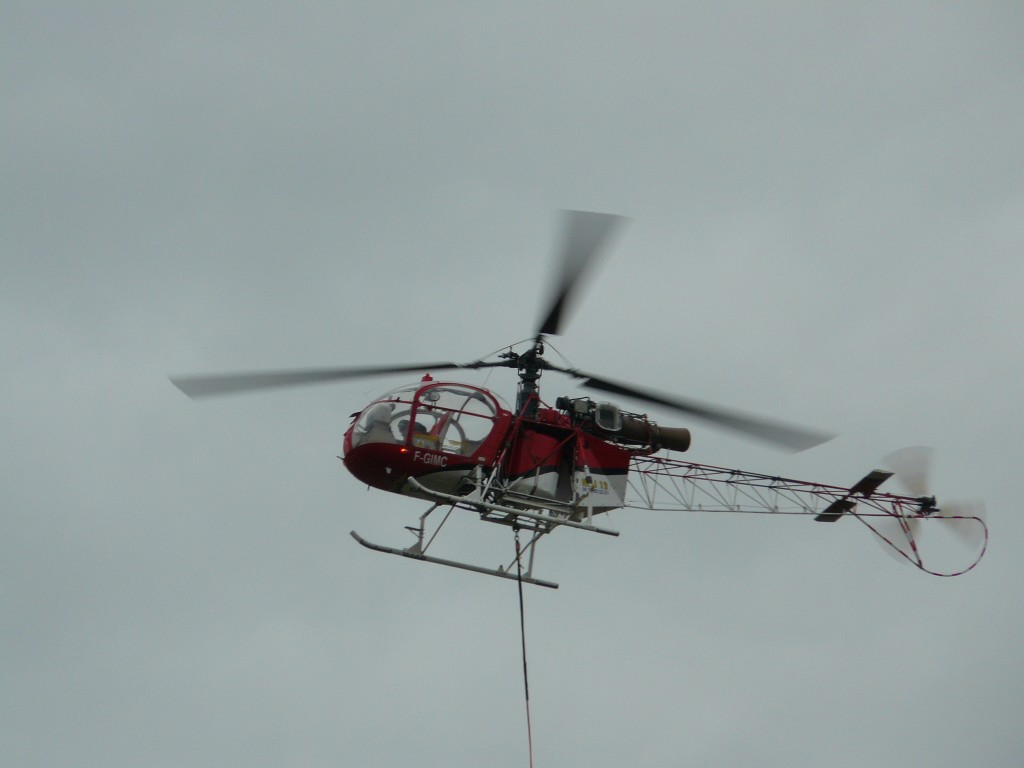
(794, 438)
(584, 234)
(233, 383)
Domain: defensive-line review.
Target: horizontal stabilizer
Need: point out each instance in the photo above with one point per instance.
(864, 487)
(835, 510)
(870, 483)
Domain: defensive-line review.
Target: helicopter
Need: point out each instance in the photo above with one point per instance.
(536, 467)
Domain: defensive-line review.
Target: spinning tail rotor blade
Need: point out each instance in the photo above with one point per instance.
(962, 518)
(584, 235)
(898, 536)
(234, 383)
(785, 435)
(912, 467)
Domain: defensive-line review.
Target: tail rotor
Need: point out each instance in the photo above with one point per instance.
(899, 532)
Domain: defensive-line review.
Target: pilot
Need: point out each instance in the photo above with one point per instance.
(373, 425)
(403, 428)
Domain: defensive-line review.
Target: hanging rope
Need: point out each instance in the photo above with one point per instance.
(522, 634)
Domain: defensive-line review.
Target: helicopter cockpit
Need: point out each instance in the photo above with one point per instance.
(450, 418)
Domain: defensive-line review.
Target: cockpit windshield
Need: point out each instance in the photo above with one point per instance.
(450, 418)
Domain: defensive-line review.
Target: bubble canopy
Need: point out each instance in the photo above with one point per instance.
(450, 418)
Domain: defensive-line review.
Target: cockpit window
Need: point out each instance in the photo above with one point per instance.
(381, 422)
(450, 418)
(453, 419)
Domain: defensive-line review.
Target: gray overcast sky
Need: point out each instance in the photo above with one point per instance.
(827, 226)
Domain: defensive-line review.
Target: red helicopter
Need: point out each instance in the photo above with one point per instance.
(537, 467)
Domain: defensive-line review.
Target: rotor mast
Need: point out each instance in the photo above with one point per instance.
(529, 365)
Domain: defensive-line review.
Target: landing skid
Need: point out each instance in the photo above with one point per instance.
(415, 554)
(537, 522)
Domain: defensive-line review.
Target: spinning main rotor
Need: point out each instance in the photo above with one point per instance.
(585, 236)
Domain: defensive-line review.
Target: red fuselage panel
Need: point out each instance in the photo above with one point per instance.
(388, 467)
